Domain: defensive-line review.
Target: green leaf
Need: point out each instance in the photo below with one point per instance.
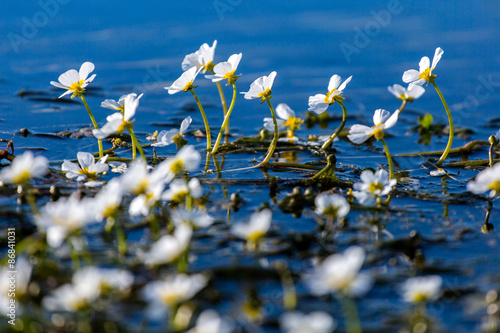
(426, 121)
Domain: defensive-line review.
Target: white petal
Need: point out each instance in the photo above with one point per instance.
(268, 83)
(110, 104)
(397, 90)
(344, 84)
(415, 91)
(185, 125)
(410, 76)
(360, 133)
(392, 120)
(317, 103)
(223, 68)
(334, 82)
(269, 125)
(69, 166)
(58, 85)
(380, 116)
(85, 70)
(437, 56)
(284, 111)
(424, 64)
(69, 77)
(234, 60)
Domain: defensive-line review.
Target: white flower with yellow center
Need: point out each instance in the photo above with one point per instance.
(169, 247)
(186, 159)
(340, 273)
(319, 103)
(255, 229)
(209, 321)
(373, 186)
(61, 218)
(202, 59)
(71, 298)
(87, 168)
(314, 322)
(487, 180)
(75, 82)
(179, 189)
(412, 93)
(23, 168)
(118, 122)
(142, 204)
(104, 279)
(422, 289)
(184, 82)
(424, 74)
(174, 135)
(381, 118)
(118, 167)
(287, 120)
(332, 206)
(175, 289)
(261, 88)
(225, 70)
(108, 200)
(196, 218)
(117, 106)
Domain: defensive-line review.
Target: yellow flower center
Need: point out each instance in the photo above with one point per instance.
(375, 187)
(427, 75)
(177, 166)
(89, 174)
(208, 67)
(255, 236)
(331, 212)
(22, 177)
(328, 94)
(419, 298)
(141, 187)
(76, 88)
(265, 94)
(171, 299)
(378, 133)
(109, 211)
(121, 109)
(180, 196)
(188, 86)
(495, 186)
(293, 123)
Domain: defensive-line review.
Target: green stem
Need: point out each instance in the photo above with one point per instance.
(137, 144)
(328, 143)
(389, 159)
(450, 121)
(205, 120)
(403, 105)
(99, 141)
(225, 123)
(134, 152)
(272, 147)
(223, 101)
(350, 312)
(490, 154)
(74, 256)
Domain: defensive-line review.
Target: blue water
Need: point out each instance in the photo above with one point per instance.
(139, 46)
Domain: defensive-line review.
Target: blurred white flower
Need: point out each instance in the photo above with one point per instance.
(373, 186)
(179, 189)
(424, 74)
(174, 135)
(382, 120)
(186, 159)
(422, 289)
(169, 247)
(87, 168)
(314, 322)
(23, 168)
(209, 321)
(287, 119)
(319, 103)
(75, 82)
(165, 294)
(261, 88)
(61, 218)
(225, 70)
(105, 280)
(142, 203)
(118, 167)
(117, 106)
(255, 229)
(412, 93)
(486, 180)
(184, 82)
(118, 122)
(202, 59)
(332, 206)
(340, 273)
(107, 202)
(195, 217)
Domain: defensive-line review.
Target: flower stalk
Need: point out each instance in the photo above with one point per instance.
(205, 120)
(328, 143)
(101, 154)
(225, 123)
(450, 121)
(272, 147)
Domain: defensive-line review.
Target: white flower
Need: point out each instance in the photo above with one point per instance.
(373, 186)
(261, 88)
(179, 189)
(382, 120)
(104, 279)
(88, 168)
(75, 82)
(169, 247)
(424, 74)
(118, 122)
(256, 228)
(487, 180)
(412, 93)
(142, 204)
(70, 298)
(320, 102)
(172, 291)
(174, 135)
(185, 82)
(202, 59)
(209, 321)
(331, 205)
(60, 218)
(108, 200)
(225, 70)
(195, 217)
(340, 273)
(118, 167)
(186, 159)
(117, 106)
(287, 119)
(23, 168)
(422, 289)
(314, 322)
